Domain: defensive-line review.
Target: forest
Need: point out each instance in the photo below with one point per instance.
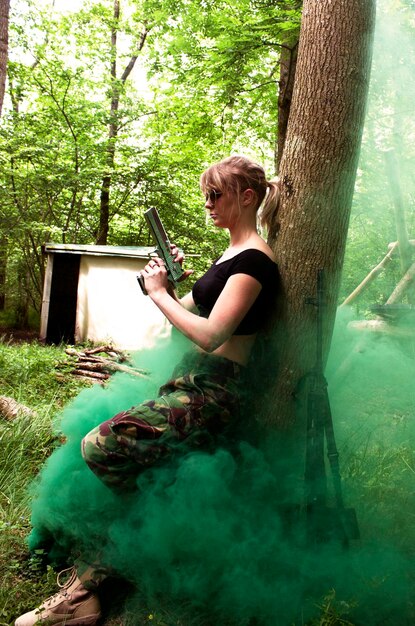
(110, 107)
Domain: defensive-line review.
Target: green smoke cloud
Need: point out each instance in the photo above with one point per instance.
(208, 529)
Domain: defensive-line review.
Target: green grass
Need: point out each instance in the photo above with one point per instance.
(28, 375)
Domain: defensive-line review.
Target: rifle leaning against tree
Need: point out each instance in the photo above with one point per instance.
(324, 523)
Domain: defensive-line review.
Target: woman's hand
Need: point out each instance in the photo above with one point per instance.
(178, 257)
(155, 276)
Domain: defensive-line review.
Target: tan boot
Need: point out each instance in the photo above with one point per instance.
(73, 605)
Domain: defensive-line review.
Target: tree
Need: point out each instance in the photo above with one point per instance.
(113, 125)
(4, 41)
(317, 171)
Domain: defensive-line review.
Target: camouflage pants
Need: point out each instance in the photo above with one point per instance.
(200, 401)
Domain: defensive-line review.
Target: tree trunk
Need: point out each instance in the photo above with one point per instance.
(288, 64)
(317, 171)
(104, 216)
(4, 44)
(3, 268)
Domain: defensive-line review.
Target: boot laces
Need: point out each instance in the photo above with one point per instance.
(70, 579)
(63, 587)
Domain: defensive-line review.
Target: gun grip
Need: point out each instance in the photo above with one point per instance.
(141, 282)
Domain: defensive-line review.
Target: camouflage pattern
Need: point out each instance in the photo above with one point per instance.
(199, 402)
(92, 574)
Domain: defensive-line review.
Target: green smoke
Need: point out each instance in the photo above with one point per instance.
(208, 528)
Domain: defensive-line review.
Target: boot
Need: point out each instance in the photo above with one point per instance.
(73, 605)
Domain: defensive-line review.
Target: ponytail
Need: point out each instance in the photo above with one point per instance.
(270, 204)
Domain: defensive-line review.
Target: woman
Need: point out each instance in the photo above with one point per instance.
(222, 315)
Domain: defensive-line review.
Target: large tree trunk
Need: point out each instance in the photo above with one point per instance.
(317, 171)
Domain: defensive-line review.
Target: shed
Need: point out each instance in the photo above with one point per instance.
(91, 293)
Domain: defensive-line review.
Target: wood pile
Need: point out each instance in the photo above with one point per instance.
(90, 364)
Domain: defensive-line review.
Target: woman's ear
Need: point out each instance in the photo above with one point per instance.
(249, 197)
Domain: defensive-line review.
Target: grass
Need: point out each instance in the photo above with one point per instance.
(38, 376)
(28, 375)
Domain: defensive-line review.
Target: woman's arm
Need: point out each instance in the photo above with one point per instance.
(237, 297)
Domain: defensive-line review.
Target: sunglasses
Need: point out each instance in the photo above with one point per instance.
(213, 195)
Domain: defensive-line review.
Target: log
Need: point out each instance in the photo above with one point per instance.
(380, 326)
(88, 373)
(371, 276)
(10, 409)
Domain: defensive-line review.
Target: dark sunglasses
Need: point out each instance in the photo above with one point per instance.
(213, 195)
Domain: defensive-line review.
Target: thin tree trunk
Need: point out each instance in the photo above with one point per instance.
(288, 64)
(104, 219)
(405, 248)
(3, 268)
(4, 45)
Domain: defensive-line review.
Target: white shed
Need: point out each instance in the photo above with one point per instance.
(92, 293)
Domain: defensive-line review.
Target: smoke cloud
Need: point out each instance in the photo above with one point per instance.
(210, 529)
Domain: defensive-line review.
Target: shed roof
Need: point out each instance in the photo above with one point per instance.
(141, 252)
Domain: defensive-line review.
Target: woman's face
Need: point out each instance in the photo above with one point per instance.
(223, 208)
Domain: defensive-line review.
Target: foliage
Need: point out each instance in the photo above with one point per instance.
(389, 127)
(212, 87)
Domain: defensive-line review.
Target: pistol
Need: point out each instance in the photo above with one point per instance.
(174, 269)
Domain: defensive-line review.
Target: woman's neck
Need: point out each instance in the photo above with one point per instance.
(242, 235)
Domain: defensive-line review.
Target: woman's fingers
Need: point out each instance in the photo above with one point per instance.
(177, 253)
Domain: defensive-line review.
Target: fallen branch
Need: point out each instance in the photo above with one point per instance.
(88, 373)
(402, 286)
(371, 276)
(10, 409)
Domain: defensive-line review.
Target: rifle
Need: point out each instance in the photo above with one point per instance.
(174, 269)
(324, 523)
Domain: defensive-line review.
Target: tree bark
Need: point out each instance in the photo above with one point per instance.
(4, 45)
(288, 64)
(317, 171)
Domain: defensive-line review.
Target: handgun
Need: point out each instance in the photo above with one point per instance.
(163, 249)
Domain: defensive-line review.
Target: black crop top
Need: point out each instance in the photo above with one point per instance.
(253, 262)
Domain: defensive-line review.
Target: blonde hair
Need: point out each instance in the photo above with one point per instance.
(237, 173)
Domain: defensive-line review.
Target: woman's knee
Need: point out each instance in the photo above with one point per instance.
(91, 448)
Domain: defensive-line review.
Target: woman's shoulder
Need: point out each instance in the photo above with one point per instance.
(257, 254)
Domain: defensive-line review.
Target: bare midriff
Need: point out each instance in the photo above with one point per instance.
(237, 348)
